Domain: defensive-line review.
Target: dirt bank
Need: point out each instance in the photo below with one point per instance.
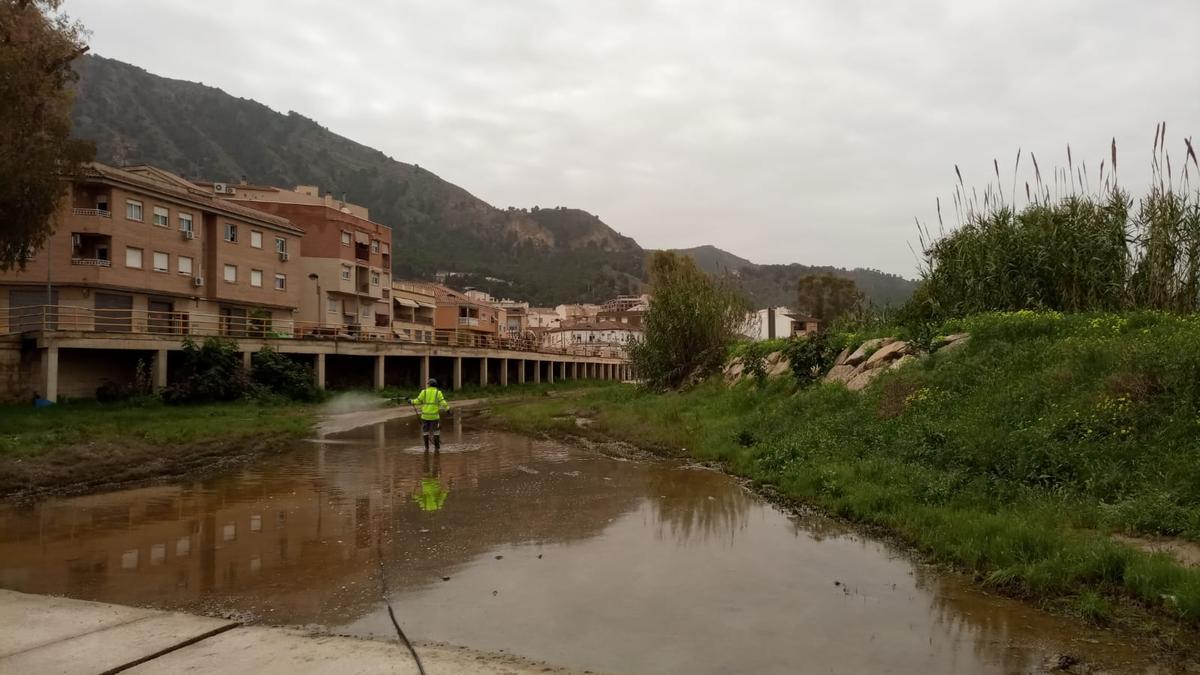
(89, 467)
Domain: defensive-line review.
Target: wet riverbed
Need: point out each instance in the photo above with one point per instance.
(503, 542)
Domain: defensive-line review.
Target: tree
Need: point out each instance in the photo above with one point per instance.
(826, 297)
(691, 321)
(37, 47)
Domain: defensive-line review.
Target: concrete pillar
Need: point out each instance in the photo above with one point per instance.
(550, 372)
(503, 372)
(521, 371)
(160, 370)
(483, 375)
(320, 371)
(457, 373)
(380, 372)
(50, 374)
(562, 370)
(424, 370)
(247, 361)
(537, 371)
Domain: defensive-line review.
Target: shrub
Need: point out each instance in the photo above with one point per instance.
(277, 374)
(811, 356)
(208, 373)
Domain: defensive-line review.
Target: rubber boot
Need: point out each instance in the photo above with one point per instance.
(425, 437)
(437, 442)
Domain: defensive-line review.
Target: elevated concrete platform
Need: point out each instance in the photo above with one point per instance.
(75, 363)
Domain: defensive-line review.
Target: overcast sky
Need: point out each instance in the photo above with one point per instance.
(781, 130)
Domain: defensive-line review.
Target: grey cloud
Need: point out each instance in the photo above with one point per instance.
(783, 131)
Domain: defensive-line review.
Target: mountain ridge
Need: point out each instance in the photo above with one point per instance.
(543, 255)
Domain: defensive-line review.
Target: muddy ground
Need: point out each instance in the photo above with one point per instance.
(89, 467)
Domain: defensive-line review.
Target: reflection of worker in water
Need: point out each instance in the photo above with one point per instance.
(432, 494)
(432, 402)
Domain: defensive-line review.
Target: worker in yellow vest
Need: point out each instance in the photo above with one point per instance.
(431, 402)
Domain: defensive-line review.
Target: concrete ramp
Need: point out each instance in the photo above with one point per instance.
(51, 636)
(41, 634)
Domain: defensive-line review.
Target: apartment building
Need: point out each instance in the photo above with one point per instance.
(455, 311)
(590, 333)
(516, 318)
(347, 257)
(143, 250)
(413, 308)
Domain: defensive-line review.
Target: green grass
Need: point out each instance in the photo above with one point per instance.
(27, 432)
(1013, 456)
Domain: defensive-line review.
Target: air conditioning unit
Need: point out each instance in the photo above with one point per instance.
(197, 281)
(224, 189)
(283, 256)
(188, 234)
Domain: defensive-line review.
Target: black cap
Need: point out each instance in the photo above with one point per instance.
(431, 383)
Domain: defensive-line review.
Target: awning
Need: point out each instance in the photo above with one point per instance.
(430, 305)
(362, 238)
(405, 302)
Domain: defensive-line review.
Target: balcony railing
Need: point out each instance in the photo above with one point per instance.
(95, 213)
(91, 262)
(126, 322)
(468, 321)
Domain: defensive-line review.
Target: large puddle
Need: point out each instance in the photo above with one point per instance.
(533, 547)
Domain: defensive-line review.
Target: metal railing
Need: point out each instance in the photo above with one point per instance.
(468, 321)
(91, 262)
(142, 322)
(98, 213)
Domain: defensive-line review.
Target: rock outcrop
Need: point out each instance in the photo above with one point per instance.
(873, 358)
(855, 368)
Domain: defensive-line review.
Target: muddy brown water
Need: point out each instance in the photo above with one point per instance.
(533, 547)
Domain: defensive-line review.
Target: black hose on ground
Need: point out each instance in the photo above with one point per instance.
(391, 612)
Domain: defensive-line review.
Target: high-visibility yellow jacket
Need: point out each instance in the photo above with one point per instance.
(432, 495)
(432, 403)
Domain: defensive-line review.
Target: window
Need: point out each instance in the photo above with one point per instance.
(345, 273)
(374, 246)
(231, 273)
(374, 278)
(133, 210)
(280, 245)
(133, 257)
(332, 305)
(185, 222)
(231, 233)
(162, 217)
(366, 311)
(281, 282)
(162, 261)
(185, 265)
(346, 239)
(255, 239)
(256, 278)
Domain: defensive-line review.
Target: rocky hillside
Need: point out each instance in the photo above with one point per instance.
(204, 133)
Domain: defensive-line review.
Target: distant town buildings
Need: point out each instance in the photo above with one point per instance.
(777, 322)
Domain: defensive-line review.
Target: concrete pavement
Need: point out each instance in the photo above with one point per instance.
(49, 635)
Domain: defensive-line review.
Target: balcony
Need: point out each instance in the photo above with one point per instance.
(93, 213)
(91, 262)
(469, 321)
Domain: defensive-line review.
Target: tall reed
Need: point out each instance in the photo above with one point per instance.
(1070, 246)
